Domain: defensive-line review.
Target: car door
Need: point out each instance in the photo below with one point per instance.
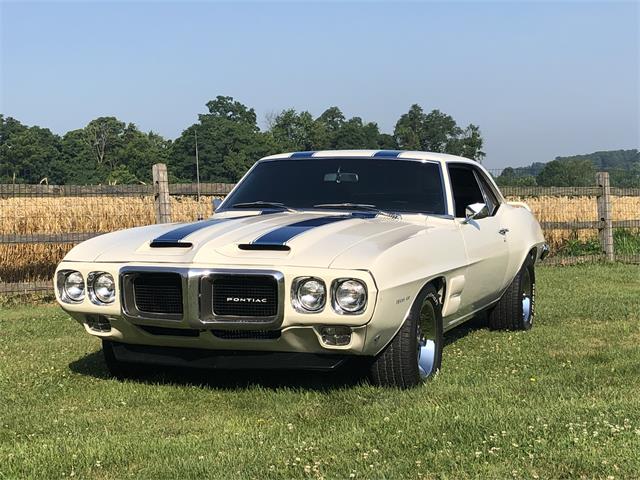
(485, 239)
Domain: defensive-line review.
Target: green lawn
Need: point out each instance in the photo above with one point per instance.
(560, 401)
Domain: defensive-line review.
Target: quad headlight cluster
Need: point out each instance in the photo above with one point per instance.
(348, 295)
(100, 287)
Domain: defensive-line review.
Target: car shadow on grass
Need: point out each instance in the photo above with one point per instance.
(478, 322)
(346, 376)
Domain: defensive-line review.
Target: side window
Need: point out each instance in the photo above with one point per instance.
(465, 188)
(492, 200)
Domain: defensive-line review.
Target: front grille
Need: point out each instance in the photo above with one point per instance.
(247, 334)
(245, 296)
(158, 293)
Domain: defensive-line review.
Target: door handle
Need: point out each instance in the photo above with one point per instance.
(503, 231)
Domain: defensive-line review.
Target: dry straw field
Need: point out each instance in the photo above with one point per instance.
(57, 215)
(20, 262)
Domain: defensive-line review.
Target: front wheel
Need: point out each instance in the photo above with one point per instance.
(516, 308)
(415, 353)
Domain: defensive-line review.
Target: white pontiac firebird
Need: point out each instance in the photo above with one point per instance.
(313, 259)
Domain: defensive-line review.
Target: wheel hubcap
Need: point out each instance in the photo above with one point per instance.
(527, 296)
(426, 340)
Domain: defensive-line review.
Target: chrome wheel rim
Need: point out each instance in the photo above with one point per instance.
(527, 297)
(426, 339)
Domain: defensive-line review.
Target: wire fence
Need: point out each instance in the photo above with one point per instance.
(39, 224)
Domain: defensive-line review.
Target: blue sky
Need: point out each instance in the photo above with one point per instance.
(541, 79)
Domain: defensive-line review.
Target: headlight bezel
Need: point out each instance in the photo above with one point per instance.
(339, 309)
(91, 288)
(297, 303)
(61, 281)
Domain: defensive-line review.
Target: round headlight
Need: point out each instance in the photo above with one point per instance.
(74, 286)
(104, 288)
(351, 296)
(311, 294)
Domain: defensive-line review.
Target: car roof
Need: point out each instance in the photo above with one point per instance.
(373, 154)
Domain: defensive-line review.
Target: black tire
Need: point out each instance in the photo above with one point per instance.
(511, 312)
(116, 368)
(397, 365)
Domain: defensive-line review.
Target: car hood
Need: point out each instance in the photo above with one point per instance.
(314, 239)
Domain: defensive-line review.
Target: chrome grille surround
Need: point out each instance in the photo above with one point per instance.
(197, 310)
(208, 314)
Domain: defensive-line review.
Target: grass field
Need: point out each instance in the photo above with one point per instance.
(560, 401)
(55, 215)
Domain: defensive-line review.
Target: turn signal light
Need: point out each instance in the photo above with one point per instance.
(336, 336)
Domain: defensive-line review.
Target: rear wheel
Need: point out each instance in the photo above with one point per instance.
(516, 308)
(415, 353)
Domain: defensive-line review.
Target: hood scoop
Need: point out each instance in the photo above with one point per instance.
(165, 244)
(276, 247)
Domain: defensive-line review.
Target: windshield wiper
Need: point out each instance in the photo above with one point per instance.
(261, 204)
(357, 206)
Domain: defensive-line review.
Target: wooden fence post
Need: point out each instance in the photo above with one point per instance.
(605, 230)
(161, 193)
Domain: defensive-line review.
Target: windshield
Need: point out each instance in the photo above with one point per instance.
(394, 185)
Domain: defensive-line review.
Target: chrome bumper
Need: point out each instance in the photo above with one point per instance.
(544, 252)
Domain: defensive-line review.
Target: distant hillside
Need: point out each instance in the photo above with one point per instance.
(609, 160)
(622, 165)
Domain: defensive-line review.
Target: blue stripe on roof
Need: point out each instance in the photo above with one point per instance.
(387, 154)
(282, 235)
(302, 154)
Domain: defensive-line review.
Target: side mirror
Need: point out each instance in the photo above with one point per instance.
(476, 211)
(216, 203)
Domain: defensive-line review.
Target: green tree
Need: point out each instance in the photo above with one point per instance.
(356, 134)
(293, 131)
(120, 175)
(108, 150)
(229, 142)
(333, 119)
(509, 177)
(568, 173)
(104, 135)
(437, 132)
(28, 154)
(79, 165)
(139, 151)
(387, 142)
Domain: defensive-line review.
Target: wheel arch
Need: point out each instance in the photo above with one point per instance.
(439, 282)
(531, 255)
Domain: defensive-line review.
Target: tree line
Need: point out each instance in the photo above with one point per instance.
(578, 170)
(108, 150)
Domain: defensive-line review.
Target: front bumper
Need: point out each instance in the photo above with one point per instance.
(293, 338)
(296, 332)
(544, 251)
(226, 359)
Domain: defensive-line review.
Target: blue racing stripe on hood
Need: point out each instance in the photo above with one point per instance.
(282, 235)
(174, 237)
